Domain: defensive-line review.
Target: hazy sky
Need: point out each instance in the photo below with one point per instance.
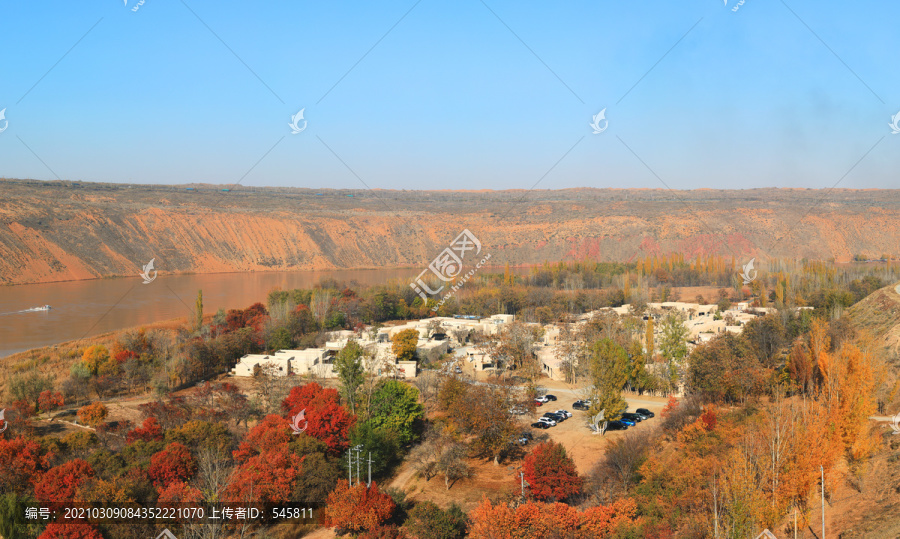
(453, 95)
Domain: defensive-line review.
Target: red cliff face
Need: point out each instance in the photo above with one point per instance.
(57, 231)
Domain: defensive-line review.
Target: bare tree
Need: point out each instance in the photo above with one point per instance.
(453, 464)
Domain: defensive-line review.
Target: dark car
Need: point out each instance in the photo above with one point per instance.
(628, 422)
(580, 405)
(550, 397)
(616, 425)
(645, 412)
(539, 425)
(555, 417)
(637, 418)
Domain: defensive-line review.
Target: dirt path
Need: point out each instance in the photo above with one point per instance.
(407, 472)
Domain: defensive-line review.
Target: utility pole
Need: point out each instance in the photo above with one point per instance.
(821, 469)
(369, 484)
(358, 450)
(522, 474)
(350, 465)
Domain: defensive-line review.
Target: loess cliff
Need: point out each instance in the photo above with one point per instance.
(59, 231)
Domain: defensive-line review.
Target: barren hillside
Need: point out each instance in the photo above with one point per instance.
(56, 231)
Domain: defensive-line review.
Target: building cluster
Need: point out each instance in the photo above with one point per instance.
(456, 336)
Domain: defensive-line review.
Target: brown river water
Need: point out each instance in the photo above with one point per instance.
(85, 308)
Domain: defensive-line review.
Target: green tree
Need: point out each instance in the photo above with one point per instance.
(609, 372)
(404, 344)
(349, 367)
(28, 387)
(673, 346)
(395, 407)
(428, 521)
(381, 444)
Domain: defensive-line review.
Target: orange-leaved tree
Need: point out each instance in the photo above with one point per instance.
(358, 508)
(92, 414)
(536, 520)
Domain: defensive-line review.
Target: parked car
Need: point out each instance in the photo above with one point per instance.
(637, 418)
(565, 413)
(628, 422)
(555, 417)
(518, 410)
(542, 399)
(538, 403)
(547, 420)
(550, 397)
(616, 425)
(540, 425)
(645, 412)
(581, 405)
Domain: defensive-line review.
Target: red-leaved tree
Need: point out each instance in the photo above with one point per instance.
(22, 462)
(270, 433)
(61, 483)
(265, 477)
(536, 520)
(551, 473)
(358, 508)
(174, 463)
(179, 492)
(49, 401)
(326, 419)
(70, 530)
(148, 431)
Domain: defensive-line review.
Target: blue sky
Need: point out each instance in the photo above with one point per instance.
(458, 95)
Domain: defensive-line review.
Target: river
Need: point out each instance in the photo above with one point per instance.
(85, 308)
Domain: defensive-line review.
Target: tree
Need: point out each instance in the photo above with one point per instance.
(358, 508)
(395, 407)
(609, 373)
(382, 444)
(267, 477)
(148, 431)
(49, 401)
(95, 357)
(535, 520)
(551, 473)
(92, 415)
(673, 346)
(22, 462)
(61, 483)
(28, 387)
(326, 419)
(428, 521)
(349, 367)
(404, 344)
(725, 370)
(198, 312)
(174, 463)
(452, 463)
(70, 530)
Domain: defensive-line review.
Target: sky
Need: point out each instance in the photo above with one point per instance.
(453, 95)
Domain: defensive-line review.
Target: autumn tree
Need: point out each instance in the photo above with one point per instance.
(348, 365)
(404, 344)
(148, 431)
(269, 476)
(358, 508)
(198, 312)
(551, 473)
(452, 464)
(673, 346)
(70, 530)
(725, 369)
(92, 415)
(61, 483)
(326, 419)
(49, 401)
(22, 462)
(535, 520)
(174, 463)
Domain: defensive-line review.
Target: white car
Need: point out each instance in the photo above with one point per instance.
(541, 399)
(565, 413)
(547, 420)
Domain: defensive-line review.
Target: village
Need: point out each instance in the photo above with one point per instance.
(457, 336)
